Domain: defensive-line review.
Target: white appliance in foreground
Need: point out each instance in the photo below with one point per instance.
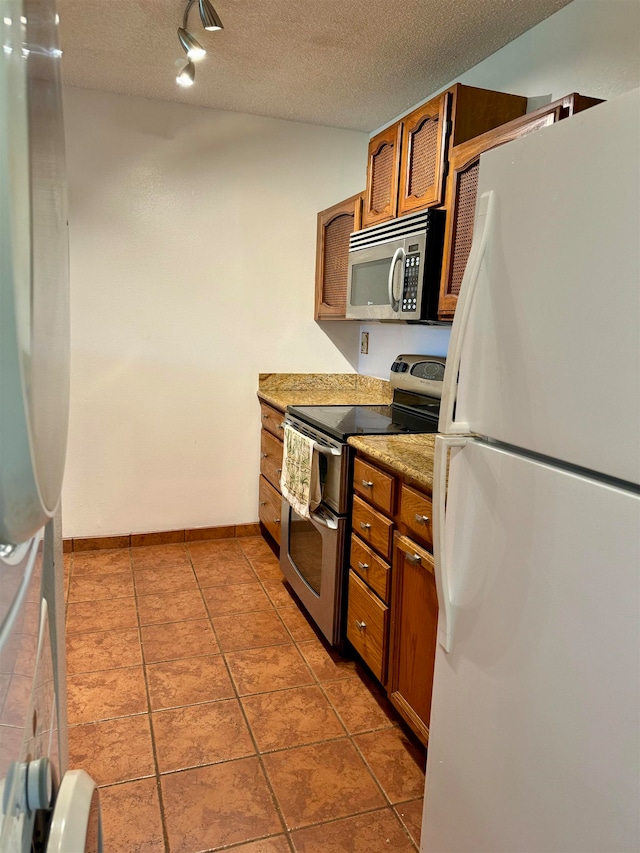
(534, 733)
(38, 811)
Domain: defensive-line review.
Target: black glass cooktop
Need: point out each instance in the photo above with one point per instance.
(343, 421)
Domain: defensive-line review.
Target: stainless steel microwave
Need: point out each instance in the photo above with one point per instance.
(394, 269)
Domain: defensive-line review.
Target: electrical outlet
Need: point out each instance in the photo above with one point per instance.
(364, 342)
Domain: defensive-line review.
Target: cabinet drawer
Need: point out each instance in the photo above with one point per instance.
(270, 509)
(373, 571)
(374, 485)
(416, 515)
(272, 420)
(367, 624)
(374, 528)
(271, 450)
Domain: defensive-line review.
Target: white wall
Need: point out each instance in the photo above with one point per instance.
(192, 237)
(589, 46)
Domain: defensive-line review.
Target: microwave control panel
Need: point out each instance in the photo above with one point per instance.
(411, 280)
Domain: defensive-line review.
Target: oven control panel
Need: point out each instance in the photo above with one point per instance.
(420, 373)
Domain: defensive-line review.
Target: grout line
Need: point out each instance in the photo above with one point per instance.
(154, 749)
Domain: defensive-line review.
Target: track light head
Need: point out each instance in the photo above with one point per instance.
(209, 17)
(192, 46)
(187, 76)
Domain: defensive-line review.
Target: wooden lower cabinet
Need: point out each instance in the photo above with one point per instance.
(367, 626)
(270, 508)
(414, 621)
(392, 611)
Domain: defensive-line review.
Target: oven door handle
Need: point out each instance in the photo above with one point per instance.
(328, 451)
(331, 523)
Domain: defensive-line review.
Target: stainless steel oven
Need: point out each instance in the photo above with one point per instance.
(314, 551)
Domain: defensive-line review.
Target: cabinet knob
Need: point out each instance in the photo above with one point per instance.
(363, 565)
(360, 625)
(276, 521)
(365, 525)
(367, 484)
(281, 426)
(263, 503)
(265, 417)
(265, 455)
(278, 470)
(412, 558)
(422, 519)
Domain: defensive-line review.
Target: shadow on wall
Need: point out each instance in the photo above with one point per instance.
(345, 335)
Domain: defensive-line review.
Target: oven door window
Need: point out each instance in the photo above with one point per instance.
(305, 550)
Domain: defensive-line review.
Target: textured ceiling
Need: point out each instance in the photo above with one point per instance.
(343, 63)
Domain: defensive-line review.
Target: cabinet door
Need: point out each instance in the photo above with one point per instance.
(424, 146)
(381, 194)
(332, 256)
(464, 165)
(414, 622)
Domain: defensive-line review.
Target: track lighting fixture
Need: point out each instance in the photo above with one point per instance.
(192, 47)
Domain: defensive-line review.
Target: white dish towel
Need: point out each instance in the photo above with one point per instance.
(300, 479)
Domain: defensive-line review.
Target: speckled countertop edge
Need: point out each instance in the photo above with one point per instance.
(409, 455)
(322, 389)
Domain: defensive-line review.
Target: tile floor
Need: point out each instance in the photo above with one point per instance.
(213, 717)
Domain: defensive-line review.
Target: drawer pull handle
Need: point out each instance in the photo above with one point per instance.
(276, 521)
(367, 484)
(360, 625)
(281, 426)
(412, 558)
(265, 417)
(422, 519)
(265, 455)
(278, 470)
(363, 565)
(263, 503)
(365, 525)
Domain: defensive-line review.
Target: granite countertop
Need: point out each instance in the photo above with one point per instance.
(322, 389)
(409, 455)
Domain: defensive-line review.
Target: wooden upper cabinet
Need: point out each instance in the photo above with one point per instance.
(407, 168)
(381, 194)
(332, 256)
(423, 156)
(464, 167)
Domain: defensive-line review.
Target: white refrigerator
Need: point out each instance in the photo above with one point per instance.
(534, 732)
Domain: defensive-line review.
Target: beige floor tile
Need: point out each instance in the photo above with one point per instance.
(255, 546)
(289, 718)
(106, 615)
(174, 640)
(212, 807)
(131, 818)
(361, 704)
(104, 695)
(249, 630)
(298, 623)
(221, 570)
(101, 562)
(188, 681)
(370, 833)
(114, 750)
(96, 586)
(397, 763)
(267, 669)
(279, 592)
(321, 782)
(103, 650)
(326, 666)
(267, 568)
(236, 598)
(160, 557)
(201, 734)
(169, 580)
(171, 607)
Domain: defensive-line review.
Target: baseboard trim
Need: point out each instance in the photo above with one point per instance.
(164, 537)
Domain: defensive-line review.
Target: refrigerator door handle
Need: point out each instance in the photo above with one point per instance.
(446, 609)
(482, 226)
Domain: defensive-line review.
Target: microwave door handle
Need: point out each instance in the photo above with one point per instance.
(397, 255)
